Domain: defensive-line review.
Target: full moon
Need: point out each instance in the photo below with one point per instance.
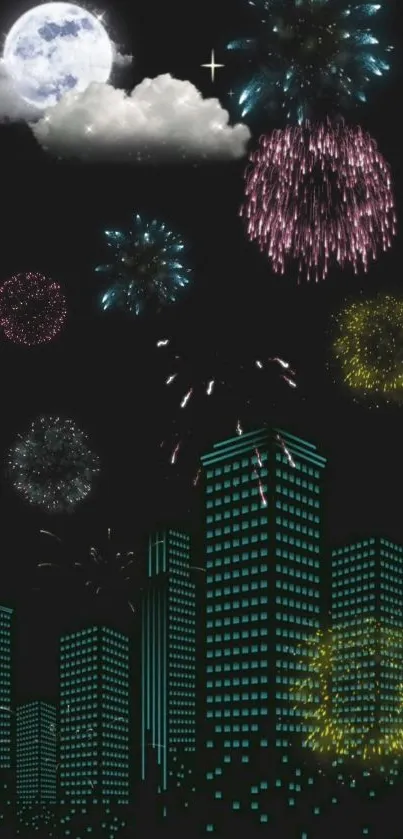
(54, 48)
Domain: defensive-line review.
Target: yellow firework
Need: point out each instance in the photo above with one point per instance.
(351, 694)
(369, 346)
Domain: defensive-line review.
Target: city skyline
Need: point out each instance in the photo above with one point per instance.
(263, 498)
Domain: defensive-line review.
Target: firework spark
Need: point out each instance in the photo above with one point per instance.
(206, 386)
(104, 570)
(228, 377)
(318, 194)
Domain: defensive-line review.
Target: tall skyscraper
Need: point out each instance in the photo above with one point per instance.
(6, 709)
(36, 753)
(94, 717)
(367, 624)
(168, 662)
(263, 509)
(7, 719)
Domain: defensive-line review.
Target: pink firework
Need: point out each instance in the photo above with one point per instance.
(316, 193)
(32, 309)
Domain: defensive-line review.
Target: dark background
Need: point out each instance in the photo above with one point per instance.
(104, 370)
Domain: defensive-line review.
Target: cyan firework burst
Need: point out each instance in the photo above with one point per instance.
(145, 268)
(308, 50)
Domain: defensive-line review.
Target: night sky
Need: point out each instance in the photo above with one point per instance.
(105, 372)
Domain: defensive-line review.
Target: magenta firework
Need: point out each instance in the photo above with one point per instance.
(318, 194)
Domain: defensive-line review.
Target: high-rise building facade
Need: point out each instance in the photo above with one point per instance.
(36, 753)
(263, 509)
(367, 628)
(7, 719)
(94, 717)
(6, 710)
(168, 661)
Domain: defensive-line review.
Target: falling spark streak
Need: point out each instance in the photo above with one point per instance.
(289, 458)
(171, 378)
(290, 382)
(163, 342)
(259, 459)
(186, 398)
(48, 564)
(196, 478)
(286, 451)
(259, 364)
(262, 494)
(52, 535)
(284, 364)
(210, 387)
(198, 568)
(260, 485)
(4, 708)
(175, 453)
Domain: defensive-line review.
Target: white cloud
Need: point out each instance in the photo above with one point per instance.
(161, 118)
(120, 60)
(12, 107)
